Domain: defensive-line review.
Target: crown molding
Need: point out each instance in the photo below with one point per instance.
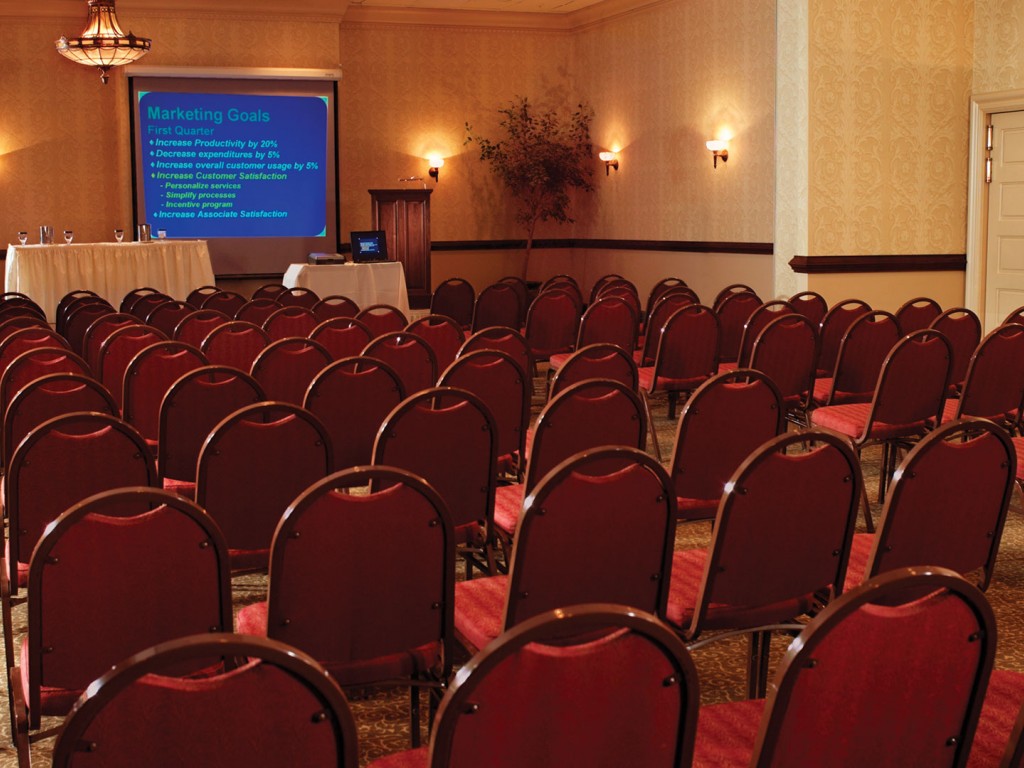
(552, 22)
(305, 10)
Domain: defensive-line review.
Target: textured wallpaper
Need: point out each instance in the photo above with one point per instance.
(889, 87)
(998, 45)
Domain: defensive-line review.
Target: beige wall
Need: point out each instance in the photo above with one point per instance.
(998, 45)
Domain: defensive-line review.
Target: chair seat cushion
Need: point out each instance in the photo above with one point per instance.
(998, 714)
(851, 420)
(696, 509)
(480, 610)
(508, 505)
(52, 701)
(184, 488)
(557, 361)
(724, 367)
(647, 382)
(726, 733)
(249, 559)
(858, 564)
(410, 758)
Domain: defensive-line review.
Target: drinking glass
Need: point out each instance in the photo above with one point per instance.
(119, 235)
(69, 235)
(23, 237)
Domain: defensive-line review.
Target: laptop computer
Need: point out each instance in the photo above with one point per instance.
(369, 246)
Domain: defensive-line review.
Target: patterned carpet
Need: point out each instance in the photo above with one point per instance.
(382, 715)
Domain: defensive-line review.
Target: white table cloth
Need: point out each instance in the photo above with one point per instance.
(375, 283)
(46, 273)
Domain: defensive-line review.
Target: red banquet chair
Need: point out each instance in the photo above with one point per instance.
(197, 326)
(167, 315)
(728, 417)
(522, 291)
(99, 330)
(499, 304)
(731, 290)
(328, 597)
(60, 313)
(125, 564)
(13, 324)
(74, 305)
(149, 375)
(733, 311)
(454, 298)
(502, 339)
(258, 311)
(269, 291)
(227, 302)
(667, 305)
(23, 340)
(786, 351)
(290, 322)
(235, 343)
(193, 405)
(443, 335)
(335, 306)
(657, 290)
(994, 386)
(609, 320)
(781, 540)
(352, 397)
(448, 437)
(284, 709)
(600, 527)
(862, 351)
(286, 367)
(833, 328)
(145, 304)
(298, 297)
(916, 314)
(196, 296)
(551, 323)
(811, 305)
(382, 318)
(930, 636)
(342, 336)
(252, 465)
(409, 355)
(117, 352)
(596, 361)
(757, 322)
(963, 329)
(79, 319)
(601, 282)
(134, 295)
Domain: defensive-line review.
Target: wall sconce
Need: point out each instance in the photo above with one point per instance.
(436, 161)
(611, 160)
(720, 149)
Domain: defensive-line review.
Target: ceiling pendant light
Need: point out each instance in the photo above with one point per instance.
(102, 43)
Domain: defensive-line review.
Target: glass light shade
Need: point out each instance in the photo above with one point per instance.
(102, 43)
(436, 161)
(606, 156)
(717, 146)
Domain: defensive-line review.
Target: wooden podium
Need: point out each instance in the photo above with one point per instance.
(404, 215)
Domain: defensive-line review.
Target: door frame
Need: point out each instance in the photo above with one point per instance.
(982, 105)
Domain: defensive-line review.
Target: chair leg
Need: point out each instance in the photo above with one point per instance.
(673, 398)
(869, 523)
(8, 628)
(414, 714)
(19, 719)
(757, 671)
(650, 424)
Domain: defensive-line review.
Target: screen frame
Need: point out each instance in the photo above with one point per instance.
(252, 257)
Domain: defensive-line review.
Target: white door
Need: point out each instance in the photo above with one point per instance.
(1004, 279)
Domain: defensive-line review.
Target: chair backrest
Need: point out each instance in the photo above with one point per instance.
(258, 311)
(286, 367)
(335, 306)
(138, 566)
(134, 295)
(197, 326)
(963, 329)
(227, 302)
(916, 314)
(168, 315)
(253, 464)
(601, 282)
(609, 320)
(659, 288)
(564, 684)
(97, 333)
(12, 308)
(68, 298)
(409, 355)
(756, 323)
(782, 533)
(88, 452)
(724, 421)
(192, 407)
(733, 311)
(196, 296)
(522, 291)
(312, 724)
(596, 361)
(448, 437)
(342, 336)
(787, 351)
(14, 324)
(79, 319)
(731, 290)
(74, 304)
(47, 397)
(144, 305)
(500, 382)
(352, 397)
(290, 322)
(148, 377)
(269, 291)
(670, 302)
(994, 386)
(948, 503)
(913, 700)
(443, 335)
(498, 305)
(912, 385)
(582, 417)
(382, 318)
(117, 350)
(833, 328)
(327, 594)
(298, 297)
(560, 281)
(235, 343)
(34, 364)
(688, 348)
(454, 298)
(811, 305)
(551, 323)
(864, 348)
(29, 338)
(600, 527)
(502, 339)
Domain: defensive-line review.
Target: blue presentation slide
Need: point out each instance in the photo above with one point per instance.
(231, 165)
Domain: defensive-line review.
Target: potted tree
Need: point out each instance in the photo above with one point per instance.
(540, 159)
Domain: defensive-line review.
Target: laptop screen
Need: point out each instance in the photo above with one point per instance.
(369, 246)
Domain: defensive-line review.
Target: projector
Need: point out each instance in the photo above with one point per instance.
(325, 258)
